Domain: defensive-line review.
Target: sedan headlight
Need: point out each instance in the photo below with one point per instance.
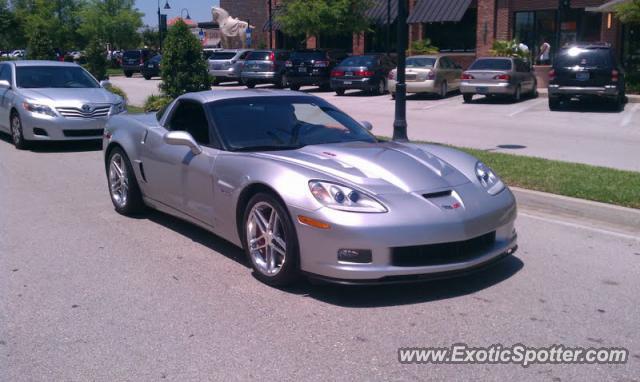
(344, 198)
(38, 108)
(119, 107)
(488, 179)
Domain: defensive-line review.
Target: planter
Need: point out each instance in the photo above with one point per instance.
(542, 75)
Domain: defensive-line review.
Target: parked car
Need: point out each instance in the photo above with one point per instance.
(586, 71)
(368, 72)
(133, 60)
(499, 76)
(311, 67)
(265, 66)
(152, 67)
(305, 189)
(53, 101)
(18, 53)
(226, 65)
(429, 74)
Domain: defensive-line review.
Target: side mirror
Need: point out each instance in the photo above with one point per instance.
(105, 84)
(182, 138)
(367, 125)
(4, 84)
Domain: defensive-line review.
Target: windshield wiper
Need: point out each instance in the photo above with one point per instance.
(269, 148)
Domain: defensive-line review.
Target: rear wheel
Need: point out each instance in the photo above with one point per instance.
(467, 97)
(534, 92)
(250, 84)
(128, 74)
(517, 95)
(147, 77)
(444, 89)
(283, 83)
(393, 95)
(554, 103)
(123, 186)
(381, 88)
(216, 82)
(295, 87)
(340, 92)
(269, 240)
(618, 103)
(16, 132)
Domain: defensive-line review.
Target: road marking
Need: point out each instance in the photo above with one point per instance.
(441, 103)
(529, 106)
(580, 226)
(629, 116)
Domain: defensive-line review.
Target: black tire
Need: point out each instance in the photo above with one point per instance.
(147, 77)
(250, 84)
(340, 92)
(134, 203)
(554, 103)
(618, 103)
(444, 90)
(467, 97)
(517, 94)
(289, 271)
(381, 88)
(393, 95)
(283, 83)
(325, 87)
(128, 74)
(534, 93)
(295, 87)
(17, 135)
(216, 82)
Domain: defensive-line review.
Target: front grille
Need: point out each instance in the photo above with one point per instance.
(443, 253)
(83, 133)
(99, 111)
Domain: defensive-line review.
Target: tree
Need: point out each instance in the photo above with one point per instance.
(97, 59)
(7, 26)
(629, 12)
(183, 69)
(57, 20)
(116, 22)
(324, 17)
(150, 38)
(40, 46)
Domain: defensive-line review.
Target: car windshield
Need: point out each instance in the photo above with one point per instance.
(280, 123)
(132, 54)
(308, 56)
(33, 77)
(359, 61)
(420, 62)
(222, 55)
(583, 57)
(491, 64)
(259, 56)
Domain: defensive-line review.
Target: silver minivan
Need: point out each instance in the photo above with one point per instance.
(498, 76)
(226, 65)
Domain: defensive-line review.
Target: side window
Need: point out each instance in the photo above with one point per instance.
(5, 73)
(189, 116)
(244, 55)
(443, 63)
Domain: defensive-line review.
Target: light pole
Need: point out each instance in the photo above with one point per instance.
(166, 6)
(182, 11)
(270, 25)
(388, 26)
(400, 122)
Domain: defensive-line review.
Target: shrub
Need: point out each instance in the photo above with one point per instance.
(116, 90)
(156, 103)
(183, 68)
(507, 48)
(96, 55)
(422, 47)
(633, 82)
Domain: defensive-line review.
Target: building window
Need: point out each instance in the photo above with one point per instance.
(533, 28)
(454, 36)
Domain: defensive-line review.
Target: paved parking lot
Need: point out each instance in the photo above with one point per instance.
(89, 295)
(584, 134)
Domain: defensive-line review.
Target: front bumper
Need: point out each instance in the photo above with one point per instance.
(595, 91)
(355, 83)
(410, 223)
(37, 127)
(500, 88)
(427, 86)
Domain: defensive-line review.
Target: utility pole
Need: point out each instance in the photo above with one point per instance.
(400, 122)
(388, 26)
(270, 25)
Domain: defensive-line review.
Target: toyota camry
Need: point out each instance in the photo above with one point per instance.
(304, 189)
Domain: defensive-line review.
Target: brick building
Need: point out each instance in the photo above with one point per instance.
(466, 28)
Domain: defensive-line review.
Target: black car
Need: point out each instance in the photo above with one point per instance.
(151, 68)
(368, 72)
(586, 71)
(311, 67)
(133, 60)
(265, 66)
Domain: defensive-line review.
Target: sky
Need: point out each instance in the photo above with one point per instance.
(199, 10)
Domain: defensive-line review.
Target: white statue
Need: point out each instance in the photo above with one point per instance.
(233, 31)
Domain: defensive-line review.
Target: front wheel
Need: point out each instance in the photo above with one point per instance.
(128, 74)
(467, 97)
(250, 84)
(16, 133)
(123, 186)
(339, 92)
(295, 87)
(147, 77)
(270, 241)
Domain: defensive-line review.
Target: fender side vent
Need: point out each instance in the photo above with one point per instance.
(439, 194)
(144, 178)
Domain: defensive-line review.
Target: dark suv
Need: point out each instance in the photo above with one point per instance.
(265, 66)
(586, 71)
(311, 67)
(133, 60)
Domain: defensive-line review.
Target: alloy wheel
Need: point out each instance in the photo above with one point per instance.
(443, 90)
(118, 181)
(266, 239)
(16, 131)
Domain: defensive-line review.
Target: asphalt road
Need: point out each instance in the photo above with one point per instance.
(584, 134)
(89, 295)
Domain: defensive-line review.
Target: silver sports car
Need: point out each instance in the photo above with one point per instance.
(305, 189)
(53, 101)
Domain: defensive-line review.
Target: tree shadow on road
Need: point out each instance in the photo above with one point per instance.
(59, 146)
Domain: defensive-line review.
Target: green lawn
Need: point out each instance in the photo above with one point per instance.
(134, 109)
(114, 72)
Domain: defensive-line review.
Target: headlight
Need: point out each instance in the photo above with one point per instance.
(343, 198)
(488, 179)
(38, 108)
(119, 107)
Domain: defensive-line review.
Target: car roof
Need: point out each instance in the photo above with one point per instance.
(44, 63)
(213, 95)
(426, 56)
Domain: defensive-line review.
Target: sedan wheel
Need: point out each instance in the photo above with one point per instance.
(381, 87)
(444, 90)
(16, 133)
(270, 240)
(517, 95)
(123, 187)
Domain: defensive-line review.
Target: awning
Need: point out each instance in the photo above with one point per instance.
(377, 12)
(437, 11)
(275, 11)
(609, 6)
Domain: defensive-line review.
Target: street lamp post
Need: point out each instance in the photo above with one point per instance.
(182, 11)
(400, 122)
(166, 6)
(270, 25)
(388, 26)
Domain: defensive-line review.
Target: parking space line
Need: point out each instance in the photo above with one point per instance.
(629, 115)
(441, 103)
(527, 107)
(579, 226)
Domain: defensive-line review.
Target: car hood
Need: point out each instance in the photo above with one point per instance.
(59, 97)
(384, 167)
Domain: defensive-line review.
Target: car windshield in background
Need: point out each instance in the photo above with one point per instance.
(280, 123)
(491, 64)
(359, 61)
(134, 54)
(308, 56)
(156, 59)
(420, 62)
(222, 55)
(34, 77)
(259, 56)
(584, 57)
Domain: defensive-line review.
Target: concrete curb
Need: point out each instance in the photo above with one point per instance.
(631, 98)
(600, 216)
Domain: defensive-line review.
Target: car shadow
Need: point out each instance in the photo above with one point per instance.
(431, 96)
(498, 100)
(58, 147)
